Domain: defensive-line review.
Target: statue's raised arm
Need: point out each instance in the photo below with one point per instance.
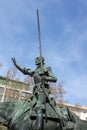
(22, 69)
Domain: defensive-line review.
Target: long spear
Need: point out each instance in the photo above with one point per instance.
(39, 36)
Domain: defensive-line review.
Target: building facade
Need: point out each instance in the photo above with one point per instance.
(13, 90)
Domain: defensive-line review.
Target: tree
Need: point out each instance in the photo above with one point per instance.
(29, 81)
(58, 92)
(11, 74)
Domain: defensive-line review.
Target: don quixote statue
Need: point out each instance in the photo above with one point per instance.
(41, 111)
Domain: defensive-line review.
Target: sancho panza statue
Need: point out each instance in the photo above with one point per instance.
(42, 75)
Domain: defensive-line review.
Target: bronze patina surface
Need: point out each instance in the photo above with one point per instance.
(41, 111)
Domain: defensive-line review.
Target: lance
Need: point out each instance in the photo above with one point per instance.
(39, 37)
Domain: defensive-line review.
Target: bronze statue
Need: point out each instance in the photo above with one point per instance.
(16, 115)
(42, 75)
(41, 103)
(41, 112)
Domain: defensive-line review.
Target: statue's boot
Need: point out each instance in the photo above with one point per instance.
(39, 119)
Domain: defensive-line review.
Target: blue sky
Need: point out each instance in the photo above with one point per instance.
(64, 40)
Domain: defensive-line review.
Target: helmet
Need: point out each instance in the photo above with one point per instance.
(38, 60)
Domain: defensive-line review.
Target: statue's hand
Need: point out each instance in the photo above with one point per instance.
(14, 60)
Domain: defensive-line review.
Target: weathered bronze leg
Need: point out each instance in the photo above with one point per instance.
(40, 106)
(39, 119)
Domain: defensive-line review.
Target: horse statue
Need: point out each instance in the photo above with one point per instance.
(19, 115)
